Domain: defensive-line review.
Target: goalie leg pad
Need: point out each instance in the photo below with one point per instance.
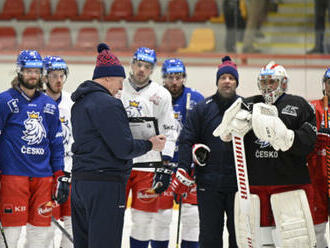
(294, 223)
(252, 220)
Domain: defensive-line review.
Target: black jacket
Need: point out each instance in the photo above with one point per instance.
(269, 167)
(219, 172)
(102, 137)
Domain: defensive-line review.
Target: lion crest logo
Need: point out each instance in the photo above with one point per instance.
(34, 130)
(65, 130)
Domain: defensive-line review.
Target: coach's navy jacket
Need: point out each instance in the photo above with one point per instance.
(103, 140)
(219, 172)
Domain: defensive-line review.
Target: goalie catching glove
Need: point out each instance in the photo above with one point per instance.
(235, 120)
(268, 127)
(182, 182)
(200, 154)
(61, 189)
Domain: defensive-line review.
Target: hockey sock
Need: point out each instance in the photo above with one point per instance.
(134, 243)
(159, 244)
(189, 244)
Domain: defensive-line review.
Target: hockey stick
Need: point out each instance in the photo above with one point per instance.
(242, 183)
(180, 199)
(3, 235)
(326, 125)
(65, 232)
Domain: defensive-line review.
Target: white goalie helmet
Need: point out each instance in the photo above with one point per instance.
(268, 76)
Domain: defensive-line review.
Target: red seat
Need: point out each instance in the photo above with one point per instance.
(117, 39)
(38, 9)
(87, 39)
(93, 9)
(148, 10)
(177, 10)
(144, 37)
(7, 38)
(204, 10)
(32, 38)
(59, 39)
(66, 9)
(12, 9)
(173, 38)
(120, 10)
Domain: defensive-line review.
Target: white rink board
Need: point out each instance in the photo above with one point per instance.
(303, 82)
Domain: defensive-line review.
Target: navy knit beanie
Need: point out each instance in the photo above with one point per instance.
(107, 64)
(227, 66)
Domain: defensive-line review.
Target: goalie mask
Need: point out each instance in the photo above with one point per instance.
(200, 154)
(272, 82)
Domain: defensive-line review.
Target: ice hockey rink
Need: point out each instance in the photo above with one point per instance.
(305, 82)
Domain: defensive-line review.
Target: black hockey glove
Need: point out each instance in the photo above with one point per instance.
(200, 154)
(162, 178)
(61, 190)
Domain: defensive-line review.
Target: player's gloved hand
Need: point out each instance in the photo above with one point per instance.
(182, 183)
(200, 154)
(268, 127)
(61, 188)
(162, 178)
(235, 120)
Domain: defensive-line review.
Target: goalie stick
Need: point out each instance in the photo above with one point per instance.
(242, 183)
(65, 232)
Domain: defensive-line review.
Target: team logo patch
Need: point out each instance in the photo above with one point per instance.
(290, 110)
(13, 105)
(145, 196)
(49, 108)
(8, 208)
(134, 109)
(34, 129)
(263, 144)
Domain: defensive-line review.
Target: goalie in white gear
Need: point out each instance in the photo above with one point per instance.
(283, 135)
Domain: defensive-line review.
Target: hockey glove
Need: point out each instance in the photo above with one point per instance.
(182, 183)
(162, 178)
(200, 154)
(61, 189)
(268, 127)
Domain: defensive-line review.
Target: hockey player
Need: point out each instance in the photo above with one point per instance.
(216, 181)
(317, 163)
(56, 72)
(183, 99)
(145, 99)
(103, 149)
(32, 155)
(284, 132)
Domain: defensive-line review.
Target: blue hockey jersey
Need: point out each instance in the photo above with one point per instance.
(31, 142)
(180, 110)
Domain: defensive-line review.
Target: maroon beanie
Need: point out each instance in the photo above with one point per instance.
(227, 66)
(107, 64)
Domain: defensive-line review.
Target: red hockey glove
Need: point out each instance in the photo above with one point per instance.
(182, 183)
(61, 188)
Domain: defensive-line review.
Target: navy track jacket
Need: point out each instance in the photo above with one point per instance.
(103, 140)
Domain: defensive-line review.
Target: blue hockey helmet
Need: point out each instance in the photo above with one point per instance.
(326, 75)
(53, 63)
(145, 54)
(28, 59)
(172, 66)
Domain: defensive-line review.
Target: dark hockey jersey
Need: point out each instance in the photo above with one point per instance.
(267, 166)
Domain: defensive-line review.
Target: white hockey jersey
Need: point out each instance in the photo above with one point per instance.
(64, 105)
(151, 101)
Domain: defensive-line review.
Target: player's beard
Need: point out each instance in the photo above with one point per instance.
(54, 91)
(175, 90)
(27, 83)
(139, 79)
